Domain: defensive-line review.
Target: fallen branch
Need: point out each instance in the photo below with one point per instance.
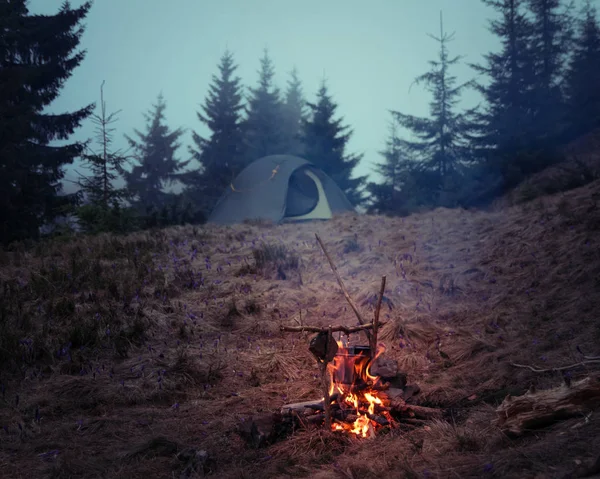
(344, 290)
(334, 329)
(420, 412)
(516, 415)
(561, 368)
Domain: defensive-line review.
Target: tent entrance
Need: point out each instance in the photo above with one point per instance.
(306, 197)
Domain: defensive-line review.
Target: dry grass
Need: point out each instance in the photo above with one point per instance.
(194, 346)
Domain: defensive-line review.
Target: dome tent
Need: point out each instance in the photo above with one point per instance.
(280, 188)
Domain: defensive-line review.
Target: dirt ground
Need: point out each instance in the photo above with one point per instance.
(142, 356)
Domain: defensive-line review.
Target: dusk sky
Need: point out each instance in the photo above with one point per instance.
(369, 52)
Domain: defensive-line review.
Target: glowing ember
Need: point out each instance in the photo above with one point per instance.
(350, 377)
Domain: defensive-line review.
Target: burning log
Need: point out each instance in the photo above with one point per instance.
(516, 415)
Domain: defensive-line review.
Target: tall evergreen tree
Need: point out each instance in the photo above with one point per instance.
(106, 165)
(294, 112)
(549, 44)
(263, 127)
(384, 195)
(155, 150)
(38, 53)
(506, 124)
(221, 155)
(103, 209)
(441, 144)
(325, 141)
(583, 76)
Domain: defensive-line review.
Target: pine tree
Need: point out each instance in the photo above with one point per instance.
(405, 184)
(549, 42)
(384, 196)
(294, 112)
(155, 150)
(441, 144)
(506, 124)
(263, 127)
(583, 76)
(325, 140)
(38, 53)
(103, 210)
(221, 155)
(106, 165)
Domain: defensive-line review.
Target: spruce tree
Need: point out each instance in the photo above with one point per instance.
(549, 45)
(155, 150)
(221, 154)
(384, 196)
(294, 112)
(103, 209)
(583, 76)
(106, 164)
(442, 140)
(263, 127)
(325, 141)
(506, 123)
(38, 53)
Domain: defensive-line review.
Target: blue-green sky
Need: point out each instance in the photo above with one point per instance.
(369, 52)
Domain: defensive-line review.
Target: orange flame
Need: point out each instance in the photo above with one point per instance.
(350, 376)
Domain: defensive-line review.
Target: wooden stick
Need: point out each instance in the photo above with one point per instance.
(344, 290)
(561, 368)
(376, 319)
(300, 407)
(316, 329)
(326, 398)
(420, 412)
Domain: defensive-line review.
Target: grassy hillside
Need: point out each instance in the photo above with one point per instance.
(124, 357)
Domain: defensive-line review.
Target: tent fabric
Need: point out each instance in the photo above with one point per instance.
(280, 188)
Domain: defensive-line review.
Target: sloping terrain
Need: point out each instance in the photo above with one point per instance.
(580, 166)
(127, 357)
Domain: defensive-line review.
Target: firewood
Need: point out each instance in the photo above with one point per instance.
(411, 410)
(517, 415)
(301, 407)
(382, 421)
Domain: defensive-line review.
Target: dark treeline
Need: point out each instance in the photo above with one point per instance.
(539, 92)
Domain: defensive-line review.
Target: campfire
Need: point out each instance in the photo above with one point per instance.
(361, 392)
(357, 406)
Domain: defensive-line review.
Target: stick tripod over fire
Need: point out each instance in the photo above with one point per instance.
(350, 399)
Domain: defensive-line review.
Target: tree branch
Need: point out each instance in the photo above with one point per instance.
(561, 368)
(334, 329)
(344, 290)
